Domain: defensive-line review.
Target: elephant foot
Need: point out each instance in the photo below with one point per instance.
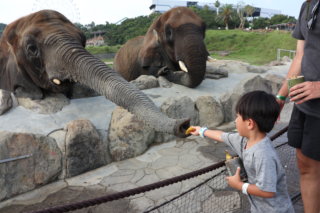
(36, 94)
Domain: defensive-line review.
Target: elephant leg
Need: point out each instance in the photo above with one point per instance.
(34, 93)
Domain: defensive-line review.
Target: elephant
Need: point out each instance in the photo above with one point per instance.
(44, 52)
(173, 47)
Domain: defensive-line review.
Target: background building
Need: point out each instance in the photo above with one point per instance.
(164, 5)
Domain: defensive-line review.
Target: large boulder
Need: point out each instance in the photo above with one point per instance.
(215, 71)
(146, 82)
(52, 103)
(84, 148)
(27, 161)
(230, 100)
(181, 107)
(5, 101)
(211, 113)
(128, 136)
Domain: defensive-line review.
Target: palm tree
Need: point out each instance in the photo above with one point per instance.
(240, 11)
(249, 11)
(226, 14)
(217, 5)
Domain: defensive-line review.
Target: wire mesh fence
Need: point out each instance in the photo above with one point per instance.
(206, 189)
(214, 195)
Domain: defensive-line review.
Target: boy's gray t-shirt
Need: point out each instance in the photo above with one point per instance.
(265, 170)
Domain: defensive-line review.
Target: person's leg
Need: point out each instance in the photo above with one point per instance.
(309, 182)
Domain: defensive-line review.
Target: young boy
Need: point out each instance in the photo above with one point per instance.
(257, 112)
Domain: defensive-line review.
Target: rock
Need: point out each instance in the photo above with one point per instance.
(286, 59)
(164, 83)
(128, 136)
(257, 69)
(275, 81)
(182, 107)
(276, 63)
(215, 71)
(230, 100)
(59, 136)
(50, 104)
(41, 167)
(5, 101)
(223, 53)
(84, 148)
(145, 82)
(210, 111)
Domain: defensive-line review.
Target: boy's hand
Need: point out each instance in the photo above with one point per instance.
(196, 131)
(235, 181)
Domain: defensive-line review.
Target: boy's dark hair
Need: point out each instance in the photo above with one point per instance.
(260, 107)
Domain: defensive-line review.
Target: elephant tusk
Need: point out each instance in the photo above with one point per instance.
(183, 66)
(56, 81)
(155, 33)
(210, 59)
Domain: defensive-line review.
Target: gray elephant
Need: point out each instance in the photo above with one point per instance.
(173, 47)
(44, 52)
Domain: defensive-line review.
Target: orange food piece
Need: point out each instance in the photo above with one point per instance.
(189, 130)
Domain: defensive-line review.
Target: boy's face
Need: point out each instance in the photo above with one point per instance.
(241, 125)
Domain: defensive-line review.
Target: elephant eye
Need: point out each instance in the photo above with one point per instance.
(32, 49)
(169, 33)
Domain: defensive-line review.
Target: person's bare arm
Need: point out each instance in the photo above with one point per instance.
(213, 134)
(236, 183)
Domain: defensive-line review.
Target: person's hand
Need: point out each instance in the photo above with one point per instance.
(235, 181)
(305, 91)
(196, 131)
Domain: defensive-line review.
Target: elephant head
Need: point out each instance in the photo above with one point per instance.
(44, 51)
(173, 46)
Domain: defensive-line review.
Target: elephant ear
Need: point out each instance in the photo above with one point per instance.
(149, 52)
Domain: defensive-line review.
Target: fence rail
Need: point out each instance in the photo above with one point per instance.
(289, 53)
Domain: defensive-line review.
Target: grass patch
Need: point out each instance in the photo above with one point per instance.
(252, 47)
(102, 49)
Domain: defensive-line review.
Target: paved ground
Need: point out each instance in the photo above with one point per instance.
(160, 162)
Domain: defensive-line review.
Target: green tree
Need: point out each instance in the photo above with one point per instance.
(226, 14)
(279, 19)
(207, 15)
(261, 23)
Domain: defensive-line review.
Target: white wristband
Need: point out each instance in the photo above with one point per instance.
(202, 130)
(245, 188)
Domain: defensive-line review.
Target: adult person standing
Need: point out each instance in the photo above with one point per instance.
(304, 126)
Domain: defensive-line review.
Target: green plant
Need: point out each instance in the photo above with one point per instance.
(254, 47)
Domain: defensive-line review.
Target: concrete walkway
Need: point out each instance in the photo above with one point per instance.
(161, 162)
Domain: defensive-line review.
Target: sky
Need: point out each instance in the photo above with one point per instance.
(112, 11)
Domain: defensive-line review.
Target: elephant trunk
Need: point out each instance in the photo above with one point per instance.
(90, 71)
(192, 52)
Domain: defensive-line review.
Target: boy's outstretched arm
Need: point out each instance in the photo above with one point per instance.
(213, 134)
(236, 183)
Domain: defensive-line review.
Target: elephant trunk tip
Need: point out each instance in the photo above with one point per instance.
(181, 127)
